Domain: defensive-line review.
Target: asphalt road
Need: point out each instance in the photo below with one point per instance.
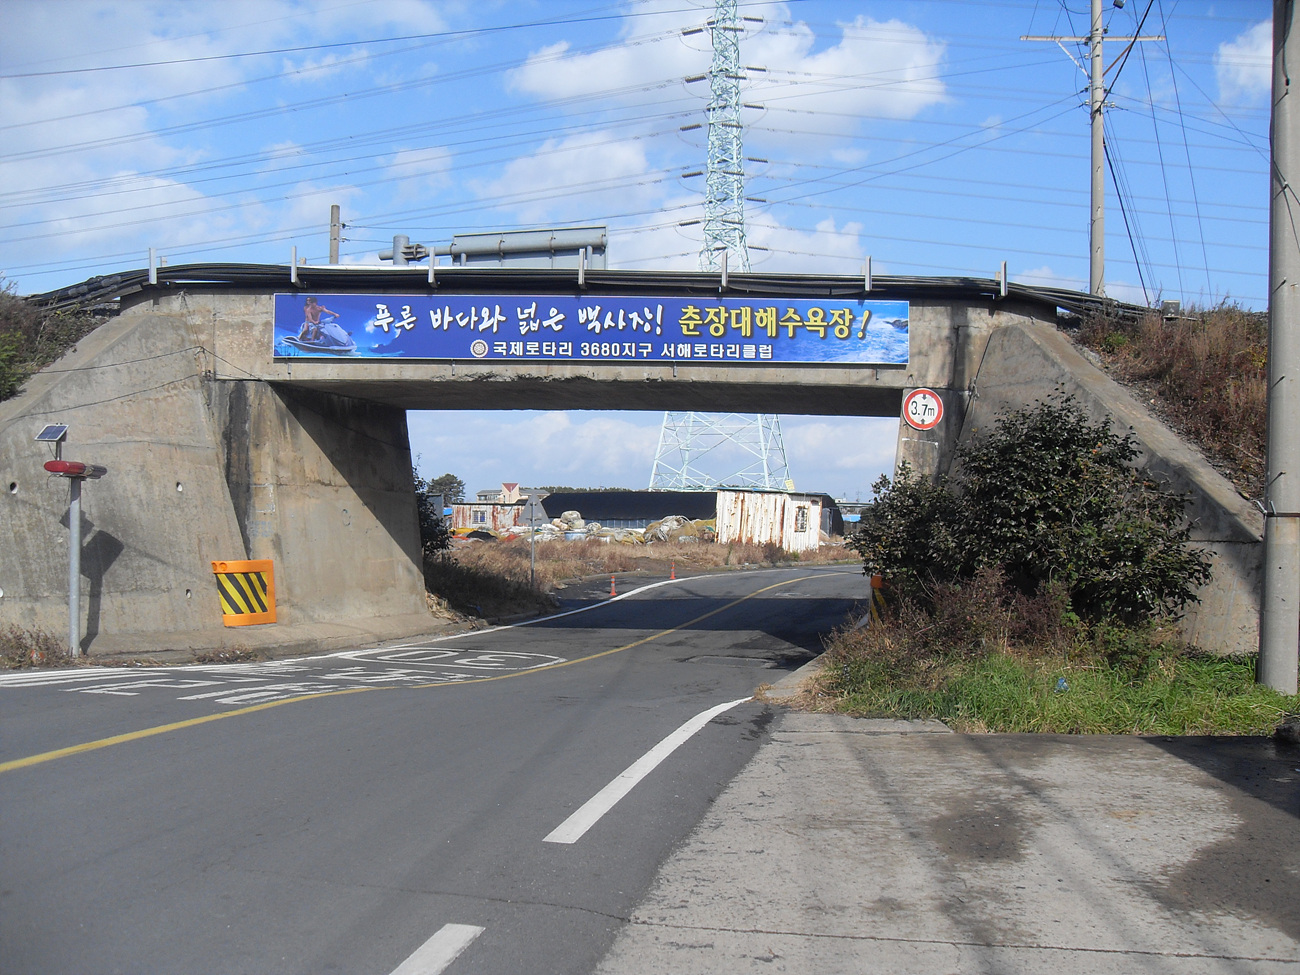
(422, 808)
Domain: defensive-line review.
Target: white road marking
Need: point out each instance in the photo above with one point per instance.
(572, 829)
(439, 951)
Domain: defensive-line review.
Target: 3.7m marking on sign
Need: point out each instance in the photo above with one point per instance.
(584, 328)
(922, 409)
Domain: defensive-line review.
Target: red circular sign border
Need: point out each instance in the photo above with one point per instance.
(916, 392)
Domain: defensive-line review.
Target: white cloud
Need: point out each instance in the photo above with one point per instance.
(827, 249)
(839, 455)
(309, 205)
(1047, 278)
(1244, 65)
(658, 243)
(876, 68)
(589, 173)
(650, 52)
(537, 447)
(420, 172)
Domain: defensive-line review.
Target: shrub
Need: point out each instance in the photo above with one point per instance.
(31, 338)
(910, 533)
(1050, 499)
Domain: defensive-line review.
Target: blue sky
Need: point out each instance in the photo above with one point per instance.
(921, 132)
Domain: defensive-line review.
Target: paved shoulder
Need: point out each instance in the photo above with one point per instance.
(849, 846)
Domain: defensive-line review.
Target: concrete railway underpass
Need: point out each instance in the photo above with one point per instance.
(224, 443)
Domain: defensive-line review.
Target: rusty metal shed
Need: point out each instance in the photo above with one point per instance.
(503, 519)
(792, 521)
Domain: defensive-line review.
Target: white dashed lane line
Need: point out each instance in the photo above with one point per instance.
(441, 950)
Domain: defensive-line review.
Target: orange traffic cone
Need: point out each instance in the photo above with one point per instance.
(611, 586)
(672, 573)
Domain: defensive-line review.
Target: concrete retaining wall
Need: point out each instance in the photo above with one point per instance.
(1027, 362)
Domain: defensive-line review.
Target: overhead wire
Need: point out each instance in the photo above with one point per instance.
(788, 191)
(1191, 170)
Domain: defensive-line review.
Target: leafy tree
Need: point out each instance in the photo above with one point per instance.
(1050, 498)
(910, 532)
(435, 536)
(451, 487)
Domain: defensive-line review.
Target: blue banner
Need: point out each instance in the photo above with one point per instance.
(586, 328)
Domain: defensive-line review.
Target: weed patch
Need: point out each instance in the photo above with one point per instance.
(1206, 373)
(238, 654)
(31, 338)
(20, 648)
(972, 662)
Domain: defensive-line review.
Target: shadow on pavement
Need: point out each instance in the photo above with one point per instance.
(1260, 768)
(1255, 870)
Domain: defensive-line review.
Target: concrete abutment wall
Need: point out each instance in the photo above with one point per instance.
(201, 470)
(1029, 362)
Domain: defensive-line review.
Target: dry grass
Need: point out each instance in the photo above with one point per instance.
(492, 579)
(1205, 373)
(21, 648)
(238, 654)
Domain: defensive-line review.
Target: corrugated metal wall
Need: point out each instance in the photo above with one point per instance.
(499, 518)
(759, 518)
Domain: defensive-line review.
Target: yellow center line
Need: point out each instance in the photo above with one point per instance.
(90, 746)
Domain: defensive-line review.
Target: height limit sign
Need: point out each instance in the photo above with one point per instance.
(922, 409)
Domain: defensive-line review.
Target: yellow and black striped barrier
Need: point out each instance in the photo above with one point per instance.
(247, 591)
(877, 597)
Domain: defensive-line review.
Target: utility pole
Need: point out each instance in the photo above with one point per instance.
(1097, 198)
(336, 229)
(1279, 618)
(1096, 106)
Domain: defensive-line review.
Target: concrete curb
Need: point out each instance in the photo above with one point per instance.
(787, 688)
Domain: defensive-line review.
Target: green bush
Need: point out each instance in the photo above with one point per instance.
(1051, 499)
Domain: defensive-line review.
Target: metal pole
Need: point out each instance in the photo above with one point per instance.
(1097, 96)
(336, 230)
(1279, 618)
(74, 566)
(532, 543)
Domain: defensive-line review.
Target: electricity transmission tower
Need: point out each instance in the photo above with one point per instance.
(724, 202)
(753, 442)
(686, 439)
